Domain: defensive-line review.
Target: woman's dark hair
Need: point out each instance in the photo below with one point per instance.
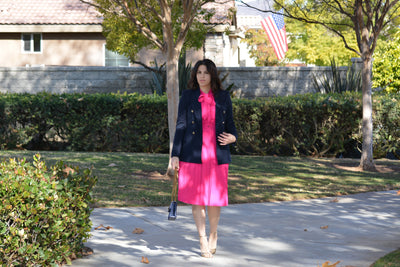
(216, 85)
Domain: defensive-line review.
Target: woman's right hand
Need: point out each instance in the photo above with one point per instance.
(175, 163)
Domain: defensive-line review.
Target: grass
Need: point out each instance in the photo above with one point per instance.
(390, 260)
(137, 179)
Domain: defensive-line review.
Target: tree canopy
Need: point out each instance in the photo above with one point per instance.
(314, 44)
(367, 19)
(386, 65)
(130, 26)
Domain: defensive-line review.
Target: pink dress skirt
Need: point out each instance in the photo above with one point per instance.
(205, 184)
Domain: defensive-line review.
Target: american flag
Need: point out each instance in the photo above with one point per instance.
(274, 26)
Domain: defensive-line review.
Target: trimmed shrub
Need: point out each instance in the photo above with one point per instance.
(44, 213)
(307, 124)
(310, 124)
(387, 126)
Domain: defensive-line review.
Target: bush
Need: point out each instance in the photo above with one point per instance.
(387, 126)
(144, 124)
(308, 124)
(85, 122)
(44, 213)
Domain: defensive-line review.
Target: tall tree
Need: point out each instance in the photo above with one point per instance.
(161, 24)
(367, 19)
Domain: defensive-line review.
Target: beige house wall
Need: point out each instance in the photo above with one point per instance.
(64, 47)
(67, 49)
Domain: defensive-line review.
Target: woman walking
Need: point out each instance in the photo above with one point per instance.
(204, 130)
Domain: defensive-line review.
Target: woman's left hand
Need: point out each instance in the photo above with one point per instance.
(226, 139)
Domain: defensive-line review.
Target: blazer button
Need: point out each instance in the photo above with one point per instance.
(192, 122)
(223, 122)
(193, 132)
(192, 111)
(224, 111)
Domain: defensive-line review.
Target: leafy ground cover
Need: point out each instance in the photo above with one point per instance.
(390, 260)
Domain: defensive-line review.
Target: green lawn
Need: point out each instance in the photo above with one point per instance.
(137, 179)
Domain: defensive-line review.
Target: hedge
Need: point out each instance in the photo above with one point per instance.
(306, 125)
(84, 122)
(44, 213)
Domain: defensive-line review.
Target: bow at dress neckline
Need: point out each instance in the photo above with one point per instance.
(206, 98)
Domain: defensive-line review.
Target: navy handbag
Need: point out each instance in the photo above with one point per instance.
(174, 205)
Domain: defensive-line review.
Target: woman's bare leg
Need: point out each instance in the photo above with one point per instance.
(199, 216)
(214, 213)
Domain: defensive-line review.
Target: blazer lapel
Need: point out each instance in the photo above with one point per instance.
(196, 104)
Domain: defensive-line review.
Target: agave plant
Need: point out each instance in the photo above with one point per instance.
(159, 79)
(158, 83)
(334, 82)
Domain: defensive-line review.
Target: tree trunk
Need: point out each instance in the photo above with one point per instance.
(367, 160)
(173, 97)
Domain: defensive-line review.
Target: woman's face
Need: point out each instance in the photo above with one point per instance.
(203, 77)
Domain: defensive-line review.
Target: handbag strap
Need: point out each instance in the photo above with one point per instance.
(175, 186)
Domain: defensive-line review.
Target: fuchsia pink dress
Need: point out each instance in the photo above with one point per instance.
(206, 183)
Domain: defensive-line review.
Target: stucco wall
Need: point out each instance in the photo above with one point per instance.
(248, 82)
(79, 49)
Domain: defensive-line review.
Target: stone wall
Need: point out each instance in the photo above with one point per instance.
(254, 82)
(75, 79)
(247, 82)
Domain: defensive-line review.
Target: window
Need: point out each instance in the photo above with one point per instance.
(114, 59)
(32, 42)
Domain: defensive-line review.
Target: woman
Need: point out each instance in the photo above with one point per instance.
(204, 130)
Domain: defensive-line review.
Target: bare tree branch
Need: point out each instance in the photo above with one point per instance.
(147, 67)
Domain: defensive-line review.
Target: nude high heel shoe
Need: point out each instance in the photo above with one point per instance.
(204, 250)
(213, 242)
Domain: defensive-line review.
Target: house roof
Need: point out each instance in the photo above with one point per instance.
(34, 12)
(75, 16)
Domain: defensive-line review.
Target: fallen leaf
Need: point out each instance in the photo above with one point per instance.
(138, 231)
(398, 192)
(145, 260)
(334, 200)
(324, 227)
(86, 251)
(326, 264)
(305, 230)
(112, 165)
(121, 186)
(102, 227)
(68, 170)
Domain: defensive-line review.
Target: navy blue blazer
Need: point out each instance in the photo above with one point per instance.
(188, 137)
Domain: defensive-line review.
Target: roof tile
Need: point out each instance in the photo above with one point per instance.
(47, 12)
(76, 12)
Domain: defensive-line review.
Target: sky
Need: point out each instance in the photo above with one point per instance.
(261, 4)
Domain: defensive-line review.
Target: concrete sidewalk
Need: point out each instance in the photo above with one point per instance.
(356, 230)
